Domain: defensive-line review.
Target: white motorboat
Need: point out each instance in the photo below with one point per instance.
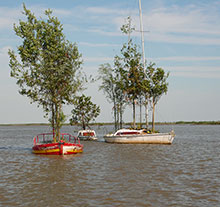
(86, 135)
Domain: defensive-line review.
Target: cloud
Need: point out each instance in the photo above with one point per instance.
(8, 16)
(104, 11)
(189, 20)
(98, 59)
(4, 55)
(99, 44)
(189, 25)
(187, 58)
(212, 72)
(182, 39)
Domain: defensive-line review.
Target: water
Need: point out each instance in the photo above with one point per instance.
(186, 173)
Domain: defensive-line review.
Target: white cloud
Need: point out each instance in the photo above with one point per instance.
(188, 20)
(98, 59)
(8, 16)
(187, 24)
(187, 58)
(98, 44)
(4, 58)
(183, 39)
(195, 71)
(103, 11)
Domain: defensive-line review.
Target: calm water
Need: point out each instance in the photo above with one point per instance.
(186, 173)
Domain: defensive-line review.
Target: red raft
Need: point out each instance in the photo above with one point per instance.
(68, 144)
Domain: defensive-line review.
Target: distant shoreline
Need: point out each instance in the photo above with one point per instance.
(109, 123)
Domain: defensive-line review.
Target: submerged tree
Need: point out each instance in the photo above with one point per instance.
(84, 111)
(108, 85)
(48, 67)
(158, 86)
(134, 80)
(125, 82)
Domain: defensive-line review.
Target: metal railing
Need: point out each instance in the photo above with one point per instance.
(49, 138)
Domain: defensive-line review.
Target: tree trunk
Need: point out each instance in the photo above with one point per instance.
(118, 112)
(153, 124)
(121, 116)
(56, 122)
(140, 113)
(52, 120)
(146, 112)
(134, 121)
(83, 124)
(59, 119)
(115, 116)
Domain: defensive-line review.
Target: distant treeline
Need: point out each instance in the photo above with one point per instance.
(199, 122)
(127, 124)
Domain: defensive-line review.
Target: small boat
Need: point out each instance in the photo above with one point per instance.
(143, 136)
(86, 135)
(44, 144)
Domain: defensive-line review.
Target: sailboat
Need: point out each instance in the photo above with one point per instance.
(142, 136)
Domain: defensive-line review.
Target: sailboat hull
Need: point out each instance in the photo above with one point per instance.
(156, 138)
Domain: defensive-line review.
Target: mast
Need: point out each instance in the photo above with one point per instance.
(143, 56)
(142, 34)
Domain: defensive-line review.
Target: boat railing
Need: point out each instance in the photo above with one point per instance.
(49, 138)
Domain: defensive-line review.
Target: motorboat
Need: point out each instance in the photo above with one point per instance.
(87, 135)
(46, 144)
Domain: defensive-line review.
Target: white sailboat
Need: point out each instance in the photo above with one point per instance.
(132, 136)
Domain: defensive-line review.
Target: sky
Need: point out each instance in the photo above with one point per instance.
(182, 37)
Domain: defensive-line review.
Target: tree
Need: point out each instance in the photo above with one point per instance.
(48, 67)
(158, 86)
(136, 83)
(126, 81)
(108, 85)
(120, 80)
(134, 70)
(84, 111)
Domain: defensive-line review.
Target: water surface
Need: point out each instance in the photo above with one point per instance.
(186, 173)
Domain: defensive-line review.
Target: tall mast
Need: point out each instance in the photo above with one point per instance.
(144, 62)
(142, 34)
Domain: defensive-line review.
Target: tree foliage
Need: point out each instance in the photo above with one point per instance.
(158, 85)
(134, 75)
(84, 111)
(111, 86)
(129, 80)
(48, 66)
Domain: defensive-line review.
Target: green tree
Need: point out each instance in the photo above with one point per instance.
(134, 70)
(120, 80)
(126, 81)
(84, 111)
(108, 85)
(48, 69)
(158, 86)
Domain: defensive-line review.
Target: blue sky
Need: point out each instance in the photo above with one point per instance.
(183, 37)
